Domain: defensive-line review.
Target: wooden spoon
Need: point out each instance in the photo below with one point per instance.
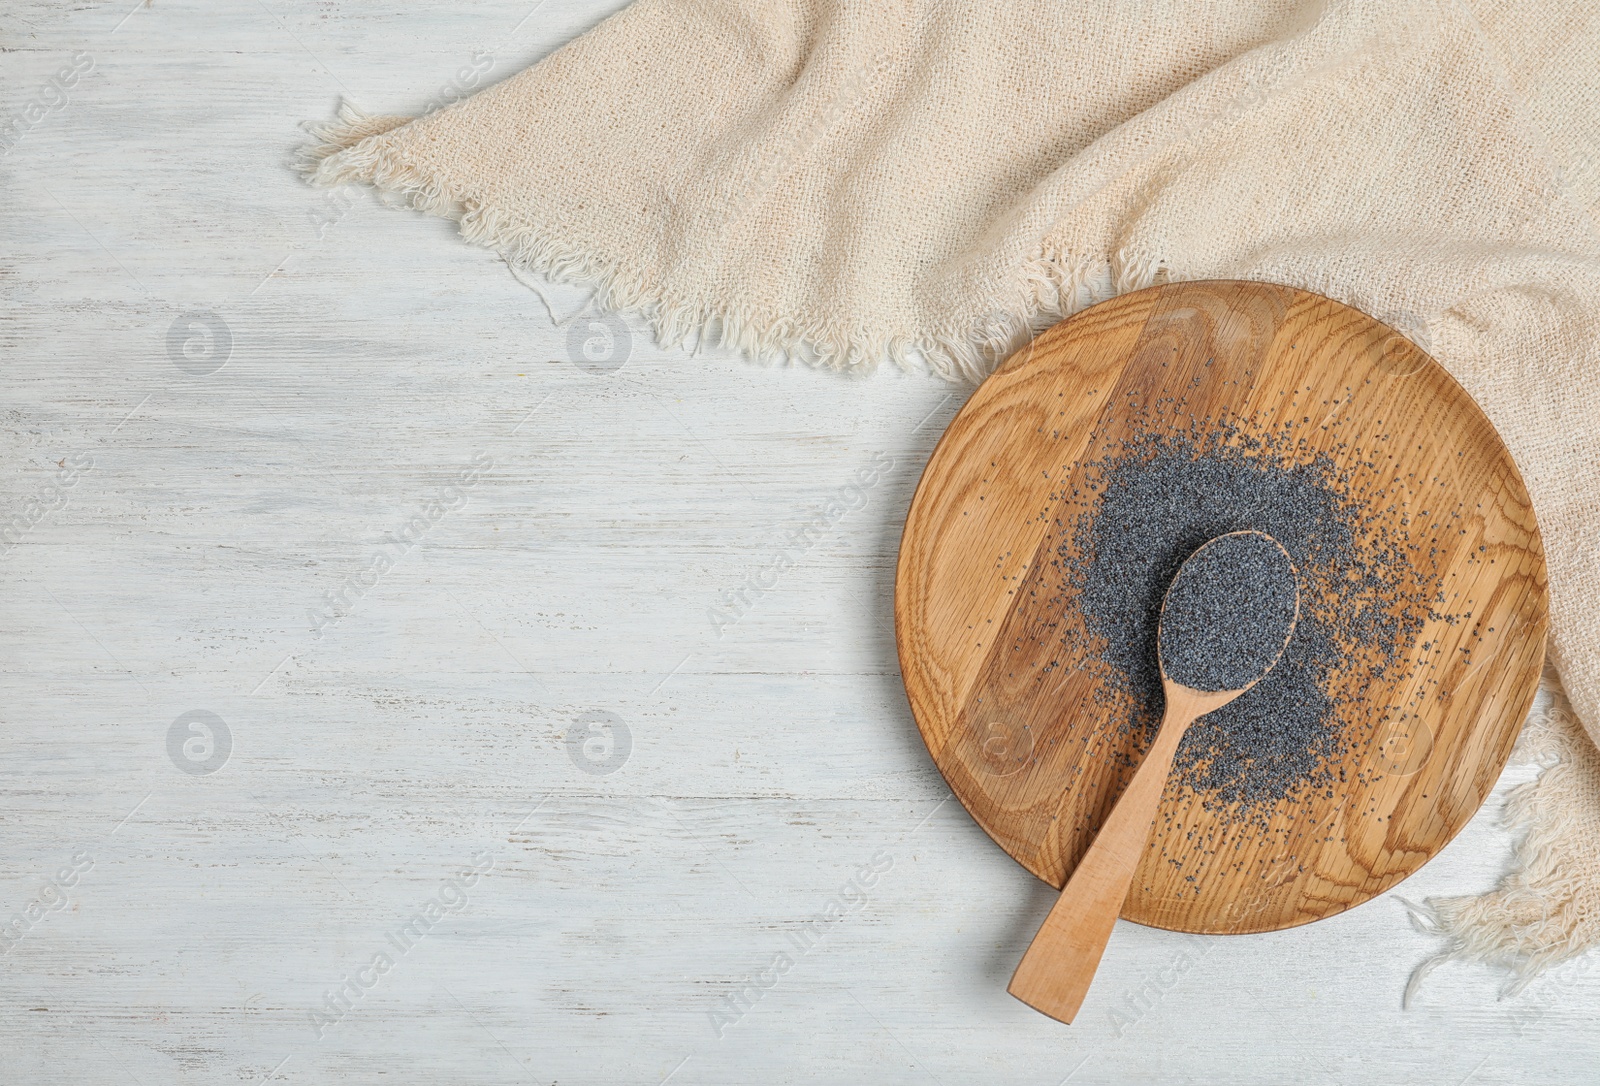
(1054, 974)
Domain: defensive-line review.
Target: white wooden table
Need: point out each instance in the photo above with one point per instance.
(536, 801)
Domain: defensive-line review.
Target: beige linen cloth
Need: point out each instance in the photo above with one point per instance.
(930, 181)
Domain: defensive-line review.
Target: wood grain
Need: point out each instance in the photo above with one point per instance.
(1021, 741)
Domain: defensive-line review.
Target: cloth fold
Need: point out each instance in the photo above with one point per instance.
(930, 182)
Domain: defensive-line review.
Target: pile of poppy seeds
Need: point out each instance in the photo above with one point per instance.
(1228, 614)
(1146, 503)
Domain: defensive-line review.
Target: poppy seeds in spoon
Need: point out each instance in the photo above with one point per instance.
(1228, 613)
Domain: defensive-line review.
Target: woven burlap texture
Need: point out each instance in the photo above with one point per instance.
(931, 181)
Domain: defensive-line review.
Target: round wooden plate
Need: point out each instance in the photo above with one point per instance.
(980, 605)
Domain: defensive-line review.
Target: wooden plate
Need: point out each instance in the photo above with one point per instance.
(980, 603)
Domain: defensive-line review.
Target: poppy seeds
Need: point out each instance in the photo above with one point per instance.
(1228, 613)
(1151, 498)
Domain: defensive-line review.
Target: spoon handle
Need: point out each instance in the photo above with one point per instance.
(1055, 972)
